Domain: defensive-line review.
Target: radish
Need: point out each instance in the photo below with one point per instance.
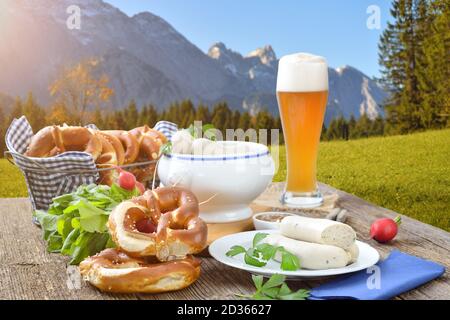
(126, 179)
(140, 187)
(145, 226)
(384, 230)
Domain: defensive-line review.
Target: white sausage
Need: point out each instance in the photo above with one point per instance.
(354, 252)
(311, 255)
(199, 146)
(321, 231)
(182, 142)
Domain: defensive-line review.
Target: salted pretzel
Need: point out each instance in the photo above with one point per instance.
(129, 143)
(117, 145)
(150, 142)
(114, 271)
(107, 160)
(173, 211)
(53, 140)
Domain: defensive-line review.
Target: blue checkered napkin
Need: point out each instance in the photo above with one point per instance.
(167, 128)
(47, 178)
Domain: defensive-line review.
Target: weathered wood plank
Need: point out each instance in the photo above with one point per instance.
(414, 237)
(27, 271)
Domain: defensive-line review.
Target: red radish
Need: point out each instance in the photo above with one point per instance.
(140, 187)
(145, 226)
(384, 230)
(126, 180)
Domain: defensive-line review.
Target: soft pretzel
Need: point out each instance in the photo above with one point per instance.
(129, 143)
(146, 131)
(117, 145)
(106, 160)
(114, 271)
(150, 142)
(54, 140)
(174, 212)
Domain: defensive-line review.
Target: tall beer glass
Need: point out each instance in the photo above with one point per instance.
(302, 92)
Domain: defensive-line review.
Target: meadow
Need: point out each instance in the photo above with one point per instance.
(409, 174)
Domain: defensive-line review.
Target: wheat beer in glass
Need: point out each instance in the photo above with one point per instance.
(302, 92)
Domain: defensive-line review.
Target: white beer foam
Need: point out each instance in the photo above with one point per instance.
(302, 72)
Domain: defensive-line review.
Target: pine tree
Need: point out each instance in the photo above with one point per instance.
(399, 52)
(131, 115)
(352, 134)
(377, 127)
(433, 70)
(245, 121)
(98, 120)
(119, 120)
(264, 120)
(187, 113)
(60, 114)
(202, 114)
(153, 116)
(16, 111)
(222, 117)
(362, 127)
(235, 119)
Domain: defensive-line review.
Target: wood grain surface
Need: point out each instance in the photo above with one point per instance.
(28, 271)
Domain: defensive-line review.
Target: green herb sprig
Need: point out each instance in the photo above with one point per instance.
(75, 223)
(261, 253)
(207, 132)
(274, 289)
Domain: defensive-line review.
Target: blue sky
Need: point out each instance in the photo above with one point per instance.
(335, 29)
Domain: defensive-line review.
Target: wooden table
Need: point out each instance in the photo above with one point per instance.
(27, 271)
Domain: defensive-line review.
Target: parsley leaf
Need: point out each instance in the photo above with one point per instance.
(289, 262)
(235, 250)
(260, 253)
(274, 281)
(253, 258)
(75, 223)
(274, 289)
(268, 251)
(301, 294)
(258, 238)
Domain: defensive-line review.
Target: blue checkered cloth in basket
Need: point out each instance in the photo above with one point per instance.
(47, 178)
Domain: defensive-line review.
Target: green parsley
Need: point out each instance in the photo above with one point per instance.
(260, 253)
(274, 288)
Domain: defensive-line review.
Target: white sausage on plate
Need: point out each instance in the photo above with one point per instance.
(321, 231)
(354, 252)
(311, 255)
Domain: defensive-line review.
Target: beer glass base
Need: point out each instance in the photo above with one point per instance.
(302, 200)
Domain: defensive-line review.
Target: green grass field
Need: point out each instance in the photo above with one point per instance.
(409, 174)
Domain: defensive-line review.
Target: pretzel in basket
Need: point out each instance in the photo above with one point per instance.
(116, 144)
(150, 142)
(177, 229)
(129, 143)
(107, 160)
(114, 271)
(53, 140)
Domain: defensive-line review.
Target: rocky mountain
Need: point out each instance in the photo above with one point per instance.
(148, 60)
(351, 91)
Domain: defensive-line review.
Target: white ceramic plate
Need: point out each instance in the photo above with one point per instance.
(368, 256)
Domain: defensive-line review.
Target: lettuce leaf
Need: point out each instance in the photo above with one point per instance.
(75, 223)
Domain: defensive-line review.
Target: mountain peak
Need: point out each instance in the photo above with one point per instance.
(219, 50)
(347, 68)
(266, 54)
(145, 15)
(149, 19)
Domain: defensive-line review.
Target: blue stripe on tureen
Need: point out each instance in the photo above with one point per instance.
(219, 158)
